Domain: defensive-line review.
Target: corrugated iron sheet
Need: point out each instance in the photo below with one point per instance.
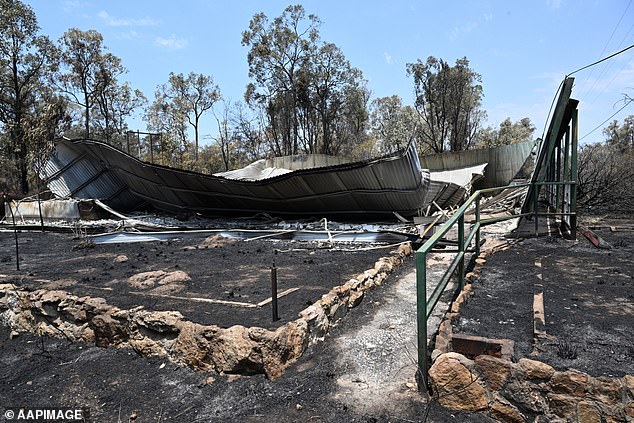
(90, 169)
(74, 173)
(504, 162)
(50, 209)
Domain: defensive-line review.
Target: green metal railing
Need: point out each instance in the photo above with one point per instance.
(425, 306)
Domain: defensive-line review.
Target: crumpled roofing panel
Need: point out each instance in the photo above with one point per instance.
(379, 186)
(503, 162)
(73, 173)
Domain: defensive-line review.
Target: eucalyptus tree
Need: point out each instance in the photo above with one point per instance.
(448, 100)
(27, 61)
(352, 124)
(337, 95)
(90, 71)
(251, 131)
(187, 97)
(306, 86)
(620, 136)
(509, 132)
(115, 103)
(279, 49)
(164, 117)
(226, 137)
(393, 124)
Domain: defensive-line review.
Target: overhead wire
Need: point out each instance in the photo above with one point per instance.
(605, 48)
(552, 103)
(627, 103)
(579, 70)
(598, 93)
(601, 60)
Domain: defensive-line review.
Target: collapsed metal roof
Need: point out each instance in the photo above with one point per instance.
(91, 169)
(304, 185)
(504, 162)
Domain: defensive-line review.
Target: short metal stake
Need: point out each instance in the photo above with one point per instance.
(274, 293)
(15, 234)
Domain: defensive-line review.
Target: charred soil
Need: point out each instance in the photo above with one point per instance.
(119, 385)
(210, 280)
(588, 297)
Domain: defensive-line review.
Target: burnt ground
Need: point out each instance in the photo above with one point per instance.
(338, 380)
(588, 301)
(220, 269)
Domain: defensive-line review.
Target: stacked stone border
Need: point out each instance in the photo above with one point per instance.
(523, 391)
(166, 334)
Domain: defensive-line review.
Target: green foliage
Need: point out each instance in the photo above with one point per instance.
(91, 82)
(508, 133)
(393, 124)
(115, 103)
(312, 99)
(620, 136)
(448, 100)
(183, 99)
(27, 61)
(90, 71)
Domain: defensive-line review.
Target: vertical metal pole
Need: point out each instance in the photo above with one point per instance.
(161, 152)
(567, 157)
(39, 202)
(274, 292)
(477, 218)
(567, 188)
(535, 207)
(15, 234)
(558, 177)
(461, 248)
(151, 150)
(573, 173)
(127, 141)
(138, 141)
(421, 318)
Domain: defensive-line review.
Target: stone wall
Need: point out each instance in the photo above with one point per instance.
(523, 391)
(529, 391)
(236, 349)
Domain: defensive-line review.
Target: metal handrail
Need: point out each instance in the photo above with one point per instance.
(424, 305)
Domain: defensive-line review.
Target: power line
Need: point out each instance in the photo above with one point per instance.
(606, 46)
(601, 60)
(627, 103)
(603, 123)
(605, 69)
(552, 103)
(578, 70)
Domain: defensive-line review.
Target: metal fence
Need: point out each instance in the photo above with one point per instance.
(555, 177)
(466, 245)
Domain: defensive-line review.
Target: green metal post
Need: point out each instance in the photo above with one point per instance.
(567, 177)
(573, 172)
(477, 219)
(461, 248)
(557, 188)
(567, 189)
(421, 317)
(535, 207)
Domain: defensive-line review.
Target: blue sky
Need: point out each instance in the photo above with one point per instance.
(522, 49)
